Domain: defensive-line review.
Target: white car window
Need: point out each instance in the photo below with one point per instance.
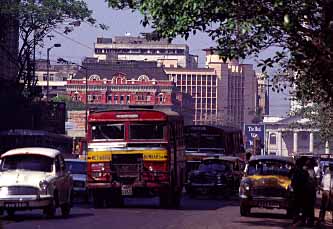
(27, 162)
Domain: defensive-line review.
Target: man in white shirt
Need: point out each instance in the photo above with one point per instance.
(326, 185)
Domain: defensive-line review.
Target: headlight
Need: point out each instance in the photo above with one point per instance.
(43, 185)
(3, 191)
(290, 188)
(247, 186)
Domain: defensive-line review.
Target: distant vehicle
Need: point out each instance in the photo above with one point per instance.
(266, 184)
(135, 152)
(216, 175)
(78, 171)
(205, 141)
(35, 178)
(18, 138)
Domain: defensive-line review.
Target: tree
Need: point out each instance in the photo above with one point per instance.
(302, 31)
(70, 104)
(36, 19)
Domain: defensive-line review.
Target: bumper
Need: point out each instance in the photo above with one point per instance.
(25, 202)
(204, 188)
(266, 202)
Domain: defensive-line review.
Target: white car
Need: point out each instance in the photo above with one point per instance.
(35, 178)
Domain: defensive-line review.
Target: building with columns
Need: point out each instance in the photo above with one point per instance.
(290, 136)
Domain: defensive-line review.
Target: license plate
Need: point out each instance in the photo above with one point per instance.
(269, 204)
(126, 190)
(16, 205)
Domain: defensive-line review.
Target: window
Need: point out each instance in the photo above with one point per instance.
(45, 77)
(272, 139)
(147, 131)
(108, 131)
(121, 99)
(27, 162)
(128, 99)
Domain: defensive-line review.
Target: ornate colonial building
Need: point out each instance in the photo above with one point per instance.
(119, 83)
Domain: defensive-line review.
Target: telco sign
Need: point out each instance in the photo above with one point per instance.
(253, 131)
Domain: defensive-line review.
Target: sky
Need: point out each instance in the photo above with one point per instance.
(79, 44)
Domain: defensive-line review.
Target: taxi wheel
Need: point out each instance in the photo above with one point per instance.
(65, 210)
(10, 212)
(244, 210)
(50, 210)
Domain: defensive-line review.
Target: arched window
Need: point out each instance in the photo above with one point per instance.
(143, 78)
(94, 77)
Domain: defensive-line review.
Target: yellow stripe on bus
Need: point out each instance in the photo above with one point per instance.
(148, 155)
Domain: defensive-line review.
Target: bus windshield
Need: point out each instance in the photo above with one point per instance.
(108, 131)
(147, 130)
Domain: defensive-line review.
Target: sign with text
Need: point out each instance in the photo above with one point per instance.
(254, 132)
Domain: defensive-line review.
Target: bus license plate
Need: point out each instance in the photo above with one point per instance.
(16, 205)
(126, 190)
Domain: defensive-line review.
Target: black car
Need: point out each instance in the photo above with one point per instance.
(218, 176)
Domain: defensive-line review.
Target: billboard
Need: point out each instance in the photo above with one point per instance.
(254, 132)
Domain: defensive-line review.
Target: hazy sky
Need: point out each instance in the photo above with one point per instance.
(78, 44)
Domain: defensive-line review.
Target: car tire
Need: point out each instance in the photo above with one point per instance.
(65, 210)
(10, 213)
(50, 211)
(244, 210)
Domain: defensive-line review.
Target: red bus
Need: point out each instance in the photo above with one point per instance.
(135, 152)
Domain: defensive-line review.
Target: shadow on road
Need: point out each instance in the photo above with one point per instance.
(33, 217)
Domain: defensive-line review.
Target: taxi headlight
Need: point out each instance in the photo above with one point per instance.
(3, 191)
(246, 186)
(43, 185)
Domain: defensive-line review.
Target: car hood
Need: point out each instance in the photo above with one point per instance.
(79, 177)
(22, 177)
(269, 181)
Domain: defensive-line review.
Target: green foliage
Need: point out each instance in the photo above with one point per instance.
(35, 20)
(301, 29)
(70, 104)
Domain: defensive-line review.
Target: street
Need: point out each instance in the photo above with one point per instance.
(200, 212)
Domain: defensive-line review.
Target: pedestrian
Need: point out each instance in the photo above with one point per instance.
(299, 179)
(326, 185)
(311, 189)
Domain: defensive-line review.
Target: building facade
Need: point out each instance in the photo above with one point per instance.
(142, 49)
(290, 137)
(121, 83)
(223, 93)
(58, 76)
(262, 95)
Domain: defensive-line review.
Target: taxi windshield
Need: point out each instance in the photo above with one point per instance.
(220, 167)
(269, 167)
(27, 162)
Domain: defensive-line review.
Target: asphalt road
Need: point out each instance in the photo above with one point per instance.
(195, 213)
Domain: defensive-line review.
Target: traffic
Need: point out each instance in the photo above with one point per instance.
(140, 153)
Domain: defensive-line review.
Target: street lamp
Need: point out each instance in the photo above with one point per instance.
(62, 60)
(48, 67)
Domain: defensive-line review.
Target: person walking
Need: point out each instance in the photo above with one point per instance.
(298, 182)
(326, 185)
(311, 189)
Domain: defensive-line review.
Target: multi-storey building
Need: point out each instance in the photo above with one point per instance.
(58, 76)
(141, 49)
(120, 83)
(224, 93)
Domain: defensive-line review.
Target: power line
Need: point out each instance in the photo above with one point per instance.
(73, 40)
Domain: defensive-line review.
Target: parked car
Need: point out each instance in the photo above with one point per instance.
(266, 184)
(216, 175)
(78, 171)
(35, 178)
